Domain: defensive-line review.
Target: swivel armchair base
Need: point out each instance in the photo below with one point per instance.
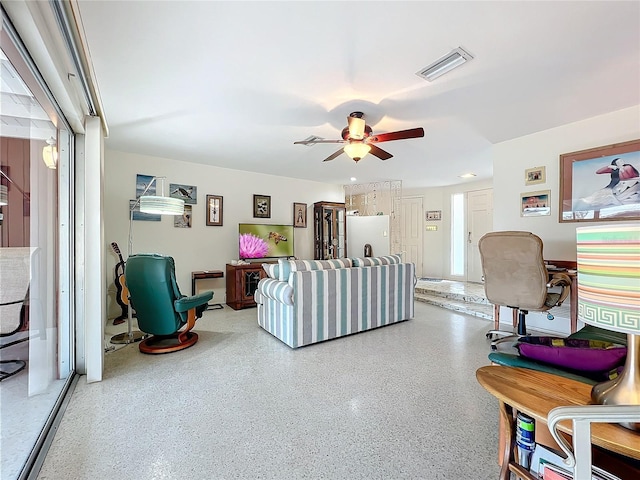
(157, 344)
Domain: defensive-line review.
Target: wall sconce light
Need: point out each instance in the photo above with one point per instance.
(50, 153)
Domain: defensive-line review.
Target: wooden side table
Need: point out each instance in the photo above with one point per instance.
(205, 274)
(536, 393)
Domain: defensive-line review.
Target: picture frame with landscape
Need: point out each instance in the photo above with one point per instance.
(535, 204)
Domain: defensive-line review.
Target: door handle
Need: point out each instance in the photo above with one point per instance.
(469, 237)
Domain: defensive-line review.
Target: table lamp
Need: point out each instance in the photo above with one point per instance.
(609, 297)
(158, 205)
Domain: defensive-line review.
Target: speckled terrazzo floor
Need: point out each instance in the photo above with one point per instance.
(397, 402)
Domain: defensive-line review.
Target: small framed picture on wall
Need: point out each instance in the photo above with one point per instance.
(534, 175)
(535, 204)
(262, 206)
(214, 210)
(300, 215)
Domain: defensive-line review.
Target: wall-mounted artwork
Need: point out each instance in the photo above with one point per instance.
(535, 204)
(184, 220)
(142, 181)
(214, 210)
(535, 175)
(138, 215)
(262, 206)
(601, 184)
(188, 193)
(300, 215)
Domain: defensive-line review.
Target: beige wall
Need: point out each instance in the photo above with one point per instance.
(202, 247)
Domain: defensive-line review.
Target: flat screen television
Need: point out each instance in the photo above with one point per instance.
(264, 241)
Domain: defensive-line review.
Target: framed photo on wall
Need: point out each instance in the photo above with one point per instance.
(534, 175)
(601, 184)
(300, 215)
(262, 206)
(535, 204)
(214, 210)
(188, 193)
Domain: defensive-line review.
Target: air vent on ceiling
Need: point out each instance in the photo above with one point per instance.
(445, 64)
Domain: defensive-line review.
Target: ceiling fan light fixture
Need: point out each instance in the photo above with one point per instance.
(448, 62)
(356, 128)
(356, 150)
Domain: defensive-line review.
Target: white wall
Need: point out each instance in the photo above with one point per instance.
(437, 245)
(203, 247)
(512, 158)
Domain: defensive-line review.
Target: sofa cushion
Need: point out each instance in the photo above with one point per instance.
(373, 261)
(272, 269)
(575, 354)
(288, 266)
(280, 291)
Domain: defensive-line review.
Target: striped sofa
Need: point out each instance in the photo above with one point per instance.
(308, 301)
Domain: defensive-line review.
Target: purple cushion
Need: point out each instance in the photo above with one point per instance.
(576, 354)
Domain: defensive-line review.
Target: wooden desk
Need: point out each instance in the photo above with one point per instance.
(536, 393)
(573, 295)
(205, 274)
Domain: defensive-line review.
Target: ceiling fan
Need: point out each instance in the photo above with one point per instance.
(360, 140)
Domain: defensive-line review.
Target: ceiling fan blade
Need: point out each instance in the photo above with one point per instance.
(400, 135)
(318, 140)
(378, 152)
(334, 155)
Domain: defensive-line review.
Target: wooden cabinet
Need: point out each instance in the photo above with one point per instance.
(242, 282)
(330, 230)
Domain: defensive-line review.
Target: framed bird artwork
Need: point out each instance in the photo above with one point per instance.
(188, 193)
(601, 184)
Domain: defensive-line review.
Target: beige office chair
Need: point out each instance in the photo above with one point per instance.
(515, 276)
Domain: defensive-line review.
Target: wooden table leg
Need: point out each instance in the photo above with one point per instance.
(507, 441)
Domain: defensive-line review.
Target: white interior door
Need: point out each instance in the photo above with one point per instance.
(479, 222)
(412, 232)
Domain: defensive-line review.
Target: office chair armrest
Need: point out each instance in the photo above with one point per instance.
(561, 280)
(185, 304)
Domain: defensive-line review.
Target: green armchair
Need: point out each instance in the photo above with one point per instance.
(162, 310)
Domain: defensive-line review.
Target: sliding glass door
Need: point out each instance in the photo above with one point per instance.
(35, 263)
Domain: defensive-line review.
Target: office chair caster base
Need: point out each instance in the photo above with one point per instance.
(126, 338)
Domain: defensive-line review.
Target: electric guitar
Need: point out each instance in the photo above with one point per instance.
(122, 295)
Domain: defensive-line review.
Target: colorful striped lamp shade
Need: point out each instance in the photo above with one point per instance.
(609, 277)
(609, 297)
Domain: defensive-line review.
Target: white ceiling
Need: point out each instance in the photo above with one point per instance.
(234, 84)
